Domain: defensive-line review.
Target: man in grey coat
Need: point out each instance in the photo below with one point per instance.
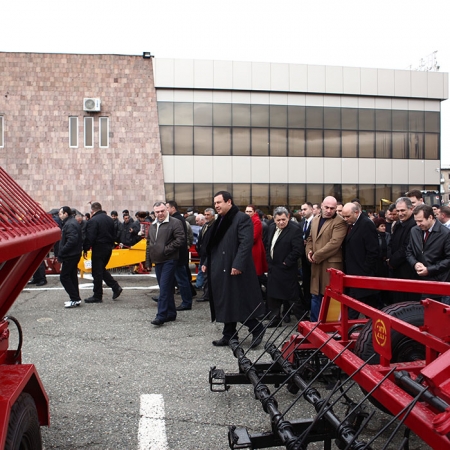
(235, 294)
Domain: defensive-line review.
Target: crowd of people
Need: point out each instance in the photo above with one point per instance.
(253, 266)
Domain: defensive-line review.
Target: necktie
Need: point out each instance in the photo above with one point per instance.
(349, 228)
(427, 233)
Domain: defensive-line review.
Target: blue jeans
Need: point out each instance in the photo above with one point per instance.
(200, 278)
(316, 303)
(165, 274)
(184, 285)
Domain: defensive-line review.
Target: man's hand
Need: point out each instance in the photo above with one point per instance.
(311, 257)
(204, 268)
(235, 271)
(421, 270)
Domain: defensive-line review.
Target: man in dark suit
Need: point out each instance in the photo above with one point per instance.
(305, 226)
(285, 246)
(360, 253)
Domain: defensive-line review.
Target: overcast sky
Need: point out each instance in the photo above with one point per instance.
(394, 34)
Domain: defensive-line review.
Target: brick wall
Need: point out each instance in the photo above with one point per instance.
(38, 93)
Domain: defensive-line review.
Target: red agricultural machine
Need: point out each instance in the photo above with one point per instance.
(394, 362)
(27, 233)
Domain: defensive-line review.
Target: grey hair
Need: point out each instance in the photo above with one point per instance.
(210, 210)
(406, 200)
(280, 210)
(159, 204)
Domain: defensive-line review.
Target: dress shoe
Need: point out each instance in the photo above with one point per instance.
(275, 322)
(155, 299)
(41, 283)
(93, 300)
(257, 337)
(202, 299)
(157, 321)
(221, 342)
(117, 293)
(32, 282)
(171, 319)
(183, 308)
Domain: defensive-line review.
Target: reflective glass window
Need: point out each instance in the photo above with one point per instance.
(203, 196)
(349, 118)
(169, 189)
(332, 143)
(314, 143)
(399, 120)
(241, 141)
(296, 116)
(432, 122)
(416, 149)
(166, 133)
(366, 195)
(314, 117)
(297, 194)
(184, 113)
(416, 121)
(349, 192)
(241, 115)
(260, 195)
(334, 190)
(103, 132)
(88, 132)
(383, 144)
(184, 140)
(222, 187)
(383, 119)
(278, 142)
(278, 116)
(203, 114)
(278, 194)
(383, 192)
(332, 118)
(366, 118)
(432, 146)
(366, 144)
(222, 141)
(399, 145)
(260, 115)
(165, 113)
(314, 193)
(222, 114)
(241, 194)
(184, 194)
(398, 190)
(73, 131)
(296, 142)
(260, 142)
(203, 141)
(349, 144)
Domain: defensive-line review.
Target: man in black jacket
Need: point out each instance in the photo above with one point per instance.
(69, 254)
(100, 237)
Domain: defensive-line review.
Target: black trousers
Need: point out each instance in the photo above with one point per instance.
(39, 275)
(229, 328)
(69, 278)
(100, 258)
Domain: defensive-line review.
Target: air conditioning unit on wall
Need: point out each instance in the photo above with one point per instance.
(92, 104)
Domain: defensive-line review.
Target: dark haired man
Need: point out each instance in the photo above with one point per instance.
(235, 294)
(100, 237)
(69, 254)
(416, 197)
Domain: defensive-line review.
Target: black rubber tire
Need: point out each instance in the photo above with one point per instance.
(24, 432)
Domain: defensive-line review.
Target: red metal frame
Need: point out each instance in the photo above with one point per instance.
(430, 426)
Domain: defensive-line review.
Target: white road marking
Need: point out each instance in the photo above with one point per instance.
(152, 426)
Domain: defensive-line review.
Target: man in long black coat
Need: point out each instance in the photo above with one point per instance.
(235, 295)
(285, 246)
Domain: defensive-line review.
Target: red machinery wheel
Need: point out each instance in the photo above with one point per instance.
(24, 432)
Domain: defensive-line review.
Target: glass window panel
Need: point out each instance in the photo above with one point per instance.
(260, 142)
(366, 144)
(366, 196)
(221, 141)
(349, 192)
(432, 146)
(296, 116)
(203, 141)
(165, 113)
(278, 142)
(203, 114)
(432, 122)
(73, 131)
(332, 143)
(383, 192)
(383, 119)
(241, 141)
(88, 132)
(222, 187)
(332, 118)
(169, 189)
(278, 116)
(260, 115)
(184, 140)
(416, 121)
(260, 195)
(349, 118)
(297, 195)
(296, 142)
(241, 115)
(314, 117)
(335, 190)
(383, 145)
(278, 195)
(222, 114)
(166, 134)
(241, 195)
(349, 144)
(399, 120)
(398, 190)
(184, 114)
(203, 196)
(314, 143)
(184, 194)
(314, 193)
(399, 145)
(104, 132)
(416, 150)
(366, 119)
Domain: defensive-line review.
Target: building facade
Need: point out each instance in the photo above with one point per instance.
(272, 134)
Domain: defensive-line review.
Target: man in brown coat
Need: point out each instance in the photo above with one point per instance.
(324, 250)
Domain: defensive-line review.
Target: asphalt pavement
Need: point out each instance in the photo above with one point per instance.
(98, 360)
